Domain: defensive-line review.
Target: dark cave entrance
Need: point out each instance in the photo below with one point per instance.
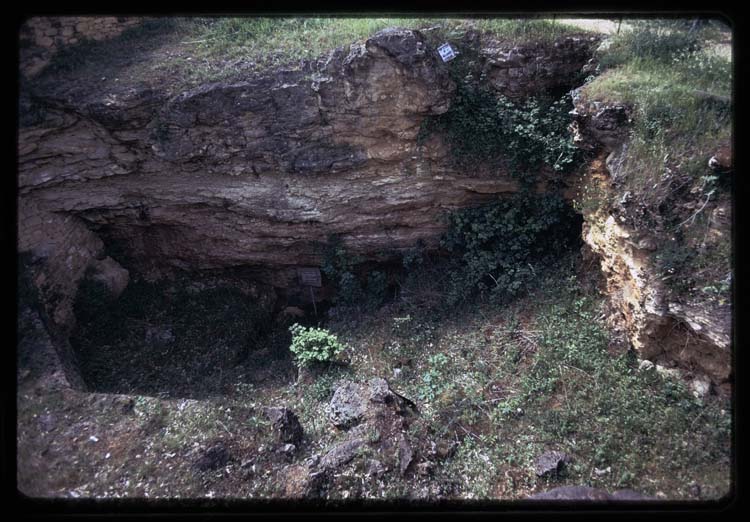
(179, 338)
(200, 335)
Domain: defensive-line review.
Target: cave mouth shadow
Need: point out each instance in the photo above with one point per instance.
(198, 336)
(179, 339)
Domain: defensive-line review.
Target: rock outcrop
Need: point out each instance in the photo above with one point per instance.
(694, 336)
(258, 171)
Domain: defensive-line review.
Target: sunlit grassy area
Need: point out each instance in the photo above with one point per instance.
(260, 42)
(679, 86)
(308, 37)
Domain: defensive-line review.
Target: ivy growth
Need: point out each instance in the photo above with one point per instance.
(482, 127)
(501, 245)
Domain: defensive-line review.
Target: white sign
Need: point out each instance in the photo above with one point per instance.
(446, 52)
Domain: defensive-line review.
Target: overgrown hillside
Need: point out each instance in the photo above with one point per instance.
(678, 81)
(513, 249)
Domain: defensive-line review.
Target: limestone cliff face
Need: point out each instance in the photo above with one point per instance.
(259, 171)
(693, 336)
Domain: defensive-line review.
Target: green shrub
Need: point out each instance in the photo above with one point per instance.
(482, 127)
(311, 345)
(434, 382)
(500, 243)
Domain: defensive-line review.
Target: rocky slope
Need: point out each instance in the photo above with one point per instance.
(261, 171)
(692, 336)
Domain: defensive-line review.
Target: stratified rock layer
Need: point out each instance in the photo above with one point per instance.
(259, 171)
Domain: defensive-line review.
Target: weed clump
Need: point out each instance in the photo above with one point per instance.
(499, 244)
(313, 345)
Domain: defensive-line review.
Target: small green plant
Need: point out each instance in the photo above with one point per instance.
(313, 345)
(434, 383)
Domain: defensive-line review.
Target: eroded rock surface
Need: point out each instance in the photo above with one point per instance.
(260, 170)
(286, 425)
(693, 335)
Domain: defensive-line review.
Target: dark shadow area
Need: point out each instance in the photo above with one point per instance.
(178, 338)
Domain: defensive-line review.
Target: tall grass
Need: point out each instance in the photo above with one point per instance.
(679, 89)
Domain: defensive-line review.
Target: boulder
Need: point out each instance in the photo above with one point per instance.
(215, 456)
(405, 455)
(287, 451)
(585, 493)
(550, 463)
(286, 425)
(348, 405)
(374, 468)
(301, 481)
(354, 402)
(341, 454)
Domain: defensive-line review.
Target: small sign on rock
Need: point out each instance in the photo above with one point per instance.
(309, 277)
(446, 52)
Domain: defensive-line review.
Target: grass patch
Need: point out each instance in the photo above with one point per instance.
(536, 374)
(182, 52)
(609, 414)
(259, 43)
(309, 37)
(680, 91)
